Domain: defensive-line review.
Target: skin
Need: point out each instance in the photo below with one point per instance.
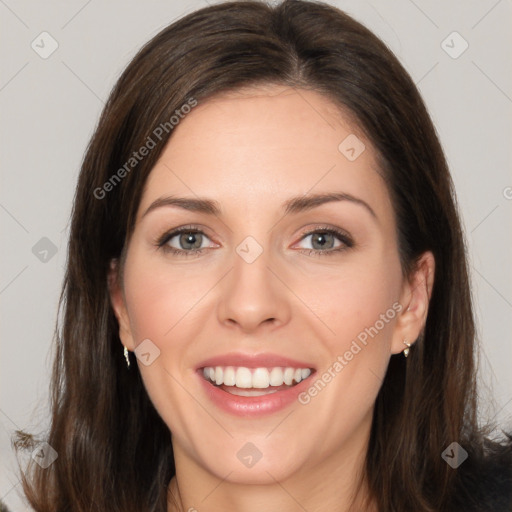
(251, 151)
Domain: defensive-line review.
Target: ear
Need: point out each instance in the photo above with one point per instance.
(119, 305)
(414, 298)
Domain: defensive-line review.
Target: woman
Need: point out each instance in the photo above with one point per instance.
(312, 348)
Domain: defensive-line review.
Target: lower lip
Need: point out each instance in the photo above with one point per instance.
(252, 405)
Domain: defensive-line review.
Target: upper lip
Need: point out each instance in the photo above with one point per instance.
(263, 360)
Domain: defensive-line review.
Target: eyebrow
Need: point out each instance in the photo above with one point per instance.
(293, 205)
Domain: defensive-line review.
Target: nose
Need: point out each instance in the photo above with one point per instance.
(254, 294)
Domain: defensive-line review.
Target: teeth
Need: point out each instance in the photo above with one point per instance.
(288, 376)
(229, 376)
(276, 377)
(243, 378)
(259, 378)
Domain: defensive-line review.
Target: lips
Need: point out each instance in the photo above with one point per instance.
(242, 396)
(266, 360)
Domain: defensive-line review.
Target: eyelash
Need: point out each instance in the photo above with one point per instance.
(343, 237)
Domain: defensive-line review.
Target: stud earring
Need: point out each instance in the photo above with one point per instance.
(406, 351)
(127, 357)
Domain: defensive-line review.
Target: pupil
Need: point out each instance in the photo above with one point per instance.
(321, 239)
(191, 238)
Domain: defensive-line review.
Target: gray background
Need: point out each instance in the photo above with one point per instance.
(49, 108)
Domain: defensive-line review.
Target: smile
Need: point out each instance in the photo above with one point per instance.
(250, 392)
(244, 381)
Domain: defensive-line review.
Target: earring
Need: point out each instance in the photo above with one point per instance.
(127, 357)
(406, 351)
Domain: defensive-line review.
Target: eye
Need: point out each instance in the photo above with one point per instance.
(185, 241)
(189, 240)
(323, 240)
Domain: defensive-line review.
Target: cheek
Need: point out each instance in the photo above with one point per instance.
(360, 309)
(162, 304)
(359, 304)
(159, 297)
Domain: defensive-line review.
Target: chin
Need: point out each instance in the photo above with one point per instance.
(251, 466)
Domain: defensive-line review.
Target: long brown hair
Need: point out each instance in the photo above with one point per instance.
(114, 450)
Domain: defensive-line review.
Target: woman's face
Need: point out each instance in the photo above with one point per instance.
(273, 287)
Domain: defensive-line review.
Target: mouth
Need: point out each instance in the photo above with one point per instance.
(254, 390)
(243, 381)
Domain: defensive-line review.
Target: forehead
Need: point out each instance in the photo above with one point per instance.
(258, 146)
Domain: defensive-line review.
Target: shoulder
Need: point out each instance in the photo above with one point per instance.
(484, 479)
